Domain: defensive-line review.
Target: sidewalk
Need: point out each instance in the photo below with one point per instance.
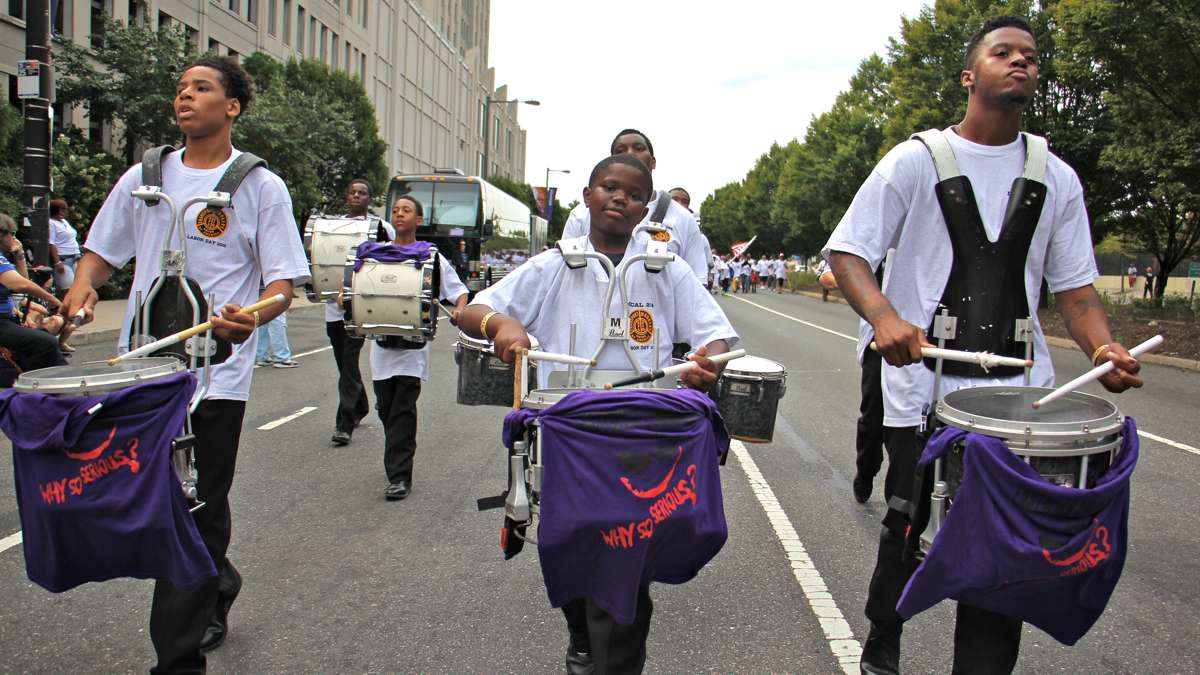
(106, 327)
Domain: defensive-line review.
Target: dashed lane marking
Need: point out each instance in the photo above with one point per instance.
(284, 420)
(1166, 441)
(10, 541)
(838, 635)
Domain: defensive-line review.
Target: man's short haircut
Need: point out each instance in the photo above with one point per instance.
(628, 160)
(992, 24)
(679, 189)
(236, 82)
(415, 202)
(612, 147)
(58, 207)
(7, 223)
(360, 181)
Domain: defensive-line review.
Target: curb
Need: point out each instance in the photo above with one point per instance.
(91, 337)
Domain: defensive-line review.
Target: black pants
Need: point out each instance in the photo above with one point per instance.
(178, 617)
(31, 348)
(397, 399)
(615, 648)
(868, 442)
(984, 641)
(352, 395)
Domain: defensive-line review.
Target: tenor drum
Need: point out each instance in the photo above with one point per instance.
(483, 379)
(392, 299)
(748, 394)
(327, 243)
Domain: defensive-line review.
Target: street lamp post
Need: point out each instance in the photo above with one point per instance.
(487, 125)
(549, 203)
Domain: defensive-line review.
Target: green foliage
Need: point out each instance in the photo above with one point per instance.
(315, 127)
(11, 170)
(130, 79)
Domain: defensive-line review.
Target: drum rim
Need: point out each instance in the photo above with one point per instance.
(483, 345)
(558, 392)
(83, 385)
(732, 372)
(1032, 434)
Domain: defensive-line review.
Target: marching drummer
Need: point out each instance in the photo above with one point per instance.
(352, 395)
(397, 374)
(545, 297)
(988, 285)
(229, 252)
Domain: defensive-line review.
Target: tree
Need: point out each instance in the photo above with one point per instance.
(723, 220)
(12, 149)
(129, 79)
(1143, 57)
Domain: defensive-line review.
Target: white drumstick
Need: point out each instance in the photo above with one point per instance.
(534, 355)
(984, 359)
(1097, 372)
(675, 369)
(189, 332)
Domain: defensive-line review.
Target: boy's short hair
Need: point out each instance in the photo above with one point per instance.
(360, 181)
(236, 82)
(628, 160)
(612, 147)
(58, 207)
(679, 189)
(415, 202)
(992, 24)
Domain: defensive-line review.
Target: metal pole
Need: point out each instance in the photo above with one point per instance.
(37, 132)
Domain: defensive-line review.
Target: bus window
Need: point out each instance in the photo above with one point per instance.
(456, 205)
(421, 190)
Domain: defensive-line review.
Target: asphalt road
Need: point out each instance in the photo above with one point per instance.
(338, 580)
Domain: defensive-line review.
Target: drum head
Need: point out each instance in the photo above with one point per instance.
(97, 376)
(540, 399)
(754, 367)
(1008, 412)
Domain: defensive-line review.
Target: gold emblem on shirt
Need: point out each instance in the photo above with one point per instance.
(212, 223)
(641, 326)
(661, 236)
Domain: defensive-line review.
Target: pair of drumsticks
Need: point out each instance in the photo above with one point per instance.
(190, 332)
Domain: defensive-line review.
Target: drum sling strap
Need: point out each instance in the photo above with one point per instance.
(661, 207)
(170, 310)
(986, 287)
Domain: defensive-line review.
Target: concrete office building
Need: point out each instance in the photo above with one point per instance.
(423, 62)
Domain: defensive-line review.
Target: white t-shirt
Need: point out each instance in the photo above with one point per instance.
(686, 240)
(64, 237)
(780, 269)
(387, 363)
(547, 297)
(334, 311)
(896, 208)
(259, 244)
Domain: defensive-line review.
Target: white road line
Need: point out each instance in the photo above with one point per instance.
(837, 631)
(10, 541)
(792, 318)
(284, 420)
(1144, 434)
(312, 351)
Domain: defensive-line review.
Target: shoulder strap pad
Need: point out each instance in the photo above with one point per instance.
(1037, 155)
(152, 164)
(943, 155)
(237, 172)
(660, 208)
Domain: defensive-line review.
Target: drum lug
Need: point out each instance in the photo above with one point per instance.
(200, 347)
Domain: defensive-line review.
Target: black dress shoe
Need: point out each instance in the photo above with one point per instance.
(397, 490)
(579, 663)
(881, 653)
(341, 438)
(862, 489)
(227, 591)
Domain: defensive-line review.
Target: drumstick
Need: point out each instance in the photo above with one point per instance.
(518, 372)
(77, 320)
(672, 370)
(189, 332)
(984, 359)
(1097, 372)
(534, 355)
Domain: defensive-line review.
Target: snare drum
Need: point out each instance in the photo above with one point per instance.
(392, 299)
(483, 379)
(327, 243)
(748, 394)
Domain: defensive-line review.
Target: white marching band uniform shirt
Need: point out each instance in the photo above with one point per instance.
(255, 242)
(687, 242)
(896, 207)
(547, 297)
(334, 311)
(388, 363)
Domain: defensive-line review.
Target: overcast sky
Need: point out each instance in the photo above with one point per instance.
(713, 84)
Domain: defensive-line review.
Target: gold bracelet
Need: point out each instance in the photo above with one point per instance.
(483, 324)
(1096, 354)
(257, 320)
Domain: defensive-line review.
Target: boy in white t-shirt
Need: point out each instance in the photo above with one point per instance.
(230, 252)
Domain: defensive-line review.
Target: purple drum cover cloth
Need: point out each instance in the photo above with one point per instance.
(418, 250)
(1016, 544)
(630, 493)
(97, 495)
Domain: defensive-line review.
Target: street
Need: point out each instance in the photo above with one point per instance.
(338, 580)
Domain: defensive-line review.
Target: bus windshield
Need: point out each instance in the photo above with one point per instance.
(446, 204)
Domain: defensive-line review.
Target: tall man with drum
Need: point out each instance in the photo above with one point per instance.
(229, 253)
(988, 285)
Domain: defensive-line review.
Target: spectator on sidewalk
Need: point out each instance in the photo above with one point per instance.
(273, 349)
(1132, 274)
(1148, 290)
(31, 349)
(64, 245)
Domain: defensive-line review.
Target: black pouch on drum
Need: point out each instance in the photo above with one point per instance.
(170, 312)
(1061, 471)
(397, 342)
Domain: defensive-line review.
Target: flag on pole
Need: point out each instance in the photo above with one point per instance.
(740, 247)
(545, 201)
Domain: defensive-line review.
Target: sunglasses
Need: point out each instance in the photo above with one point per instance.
(4, 232)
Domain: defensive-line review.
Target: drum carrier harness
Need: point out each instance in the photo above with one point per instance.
(984, 306)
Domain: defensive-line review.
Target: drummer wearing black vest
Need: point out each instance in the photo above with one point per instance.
(230, 253)
(965, 244)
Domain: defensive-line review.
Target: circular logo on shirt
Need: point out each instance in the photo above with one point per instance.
(212, 223)
(641, 326)
(661, 236)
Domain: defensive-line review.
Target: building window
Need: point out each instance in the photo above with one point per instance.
(349, 63)
(324, 43)
(16, 9)
(58, 9)
(236, 58)
(232, 5)
(286, 30)
(508, 144)
(252, 11)
(300, 30)
(271, 11)
(95, 132)
(482, 119)
(192, 36)
(214, 47)
(479, 165)
(164, 20)
(137, 13)
(97, 24)
(362, 67)
(495, 133)
(312, 36)
(349, 7)
(333, 50)
(362, 16)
